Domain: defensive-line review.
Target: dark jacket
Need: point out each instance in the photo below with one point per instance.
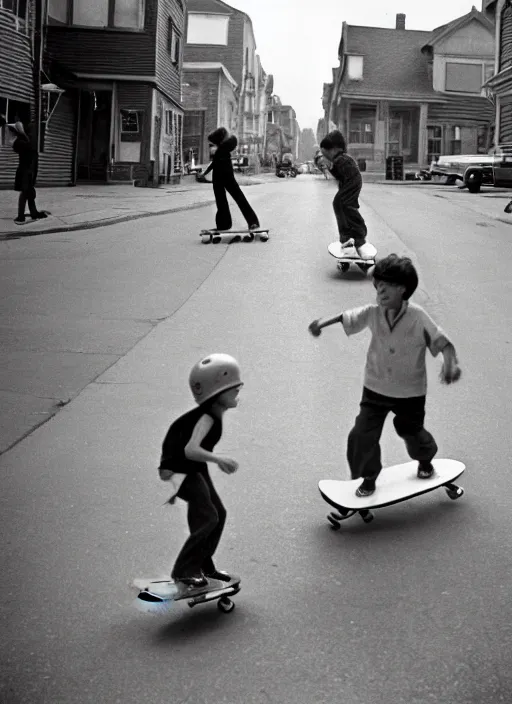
(350, 182)
(221, 163)
(26, 173)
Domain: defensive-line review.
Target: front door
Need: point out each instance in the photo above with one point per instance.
(93, 150)
(402, 134)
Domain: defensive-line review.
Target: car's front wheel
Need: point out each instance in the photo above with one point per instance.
(473, 180)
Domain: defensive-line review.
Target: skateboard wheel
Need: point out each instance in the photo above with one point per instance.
(343, 266)
(264, 238)
(225, 605)
(454, 494)
(216, 240)
(206, 240)
(334, 523)
(248, 238)
(367, 516)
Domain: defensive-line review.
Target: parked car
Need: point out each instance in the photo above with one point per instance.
(477, 170)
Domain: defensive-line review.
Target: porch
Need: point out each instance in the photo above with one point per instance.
(379, 129)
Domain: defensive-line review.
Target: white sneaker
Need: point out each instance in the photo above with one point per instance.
(366, 251)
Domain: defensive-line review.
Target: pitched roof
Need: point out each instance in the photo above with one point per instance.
(446, 29)
(210, 6)
(392, 65)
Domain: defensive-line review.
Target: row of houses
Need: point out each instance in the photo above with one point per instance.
(416, 94)
(127, 90)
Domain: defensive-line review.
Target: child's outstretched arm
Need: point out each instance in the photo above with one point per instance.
(450, 371)
(316, 326)
(196, 453)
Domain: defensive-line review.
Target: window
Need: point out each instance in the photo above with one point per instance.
(207, 29)
(130, 123)
(455, 140)
(174, 43)
(464, 78)
(124, 14)
(434, 142)
(168, 122)
(362, 122)
(18, 9)
(355, 68)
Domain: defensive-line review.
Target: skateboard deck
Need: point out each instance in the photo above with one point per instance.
(231, 236)
(336, 250)
(394, 484)
(158, 595)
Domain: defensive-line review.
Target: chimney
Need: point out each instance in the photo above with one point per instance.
(400, 21)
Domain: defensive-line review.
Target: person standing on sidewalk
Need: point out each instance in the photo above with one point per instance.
(224, 182)
(26, 173)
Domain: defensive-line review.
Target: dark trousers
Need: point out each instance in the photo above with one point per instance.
(363, 451)
(223, 218)
(350, 221)
(206, 519)
(27, 196)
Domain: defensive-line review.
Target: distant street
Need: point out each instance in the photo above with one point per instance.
(105, 324)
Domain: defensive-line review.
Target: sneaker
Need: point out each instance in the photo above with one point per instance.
(366, 251)
(508, 207)
(425, 470)
(40, 215)
(19, 221)
(187, 585)
(254, 227)
(220, 575)
(366, 488)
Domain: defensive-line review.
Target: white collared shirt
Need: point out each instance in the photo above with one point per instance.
(395, 363)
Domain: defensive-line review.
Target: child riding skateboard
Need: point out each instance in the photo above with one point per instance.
(395, 375)
(188, 446)
(351, 225)
(224, 181)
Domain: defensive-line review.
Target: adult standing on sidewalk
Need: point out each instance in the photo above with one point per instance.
(26, 173)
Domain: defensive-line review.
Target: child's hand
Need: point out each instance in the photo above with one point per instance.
(450, 371)
(315, 328)
(227, 465)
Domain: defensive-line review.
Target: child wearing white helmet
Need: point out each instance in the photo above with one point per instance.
(188, 446)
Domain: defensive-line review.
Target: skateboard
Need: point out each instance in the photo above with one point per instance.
(336, 250)
(158, 595)
(394, 484)
(231, 236)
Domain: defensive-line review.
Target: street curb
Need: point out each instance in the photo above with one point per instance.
(19, 234)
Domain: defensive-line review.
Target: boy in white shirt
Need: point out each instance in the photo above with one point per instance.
(395, 375)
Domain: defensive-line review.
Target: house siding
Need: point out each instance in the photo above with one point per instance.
(15, 51)
(506, 39)
(56, 162)
(106, 51)
(462, 110)
(167, 73)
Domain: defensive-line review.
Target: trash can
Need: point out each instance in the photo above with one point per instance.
(362, 164)
(394, 168)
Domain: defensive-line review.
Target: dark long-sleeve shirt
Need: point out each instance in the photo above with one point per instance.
(346, 171)
(221, 163)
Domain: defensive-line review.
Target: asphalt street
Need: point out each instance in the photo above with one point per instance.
(412, 609)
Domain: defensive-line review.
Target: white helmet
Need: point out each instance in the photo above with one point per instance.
(213, 375)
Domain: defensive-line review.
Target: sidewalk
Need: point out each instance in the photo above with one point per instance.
(87, 206)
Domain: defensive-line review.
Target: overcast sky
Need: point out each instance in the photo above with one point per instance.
(297, 40)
